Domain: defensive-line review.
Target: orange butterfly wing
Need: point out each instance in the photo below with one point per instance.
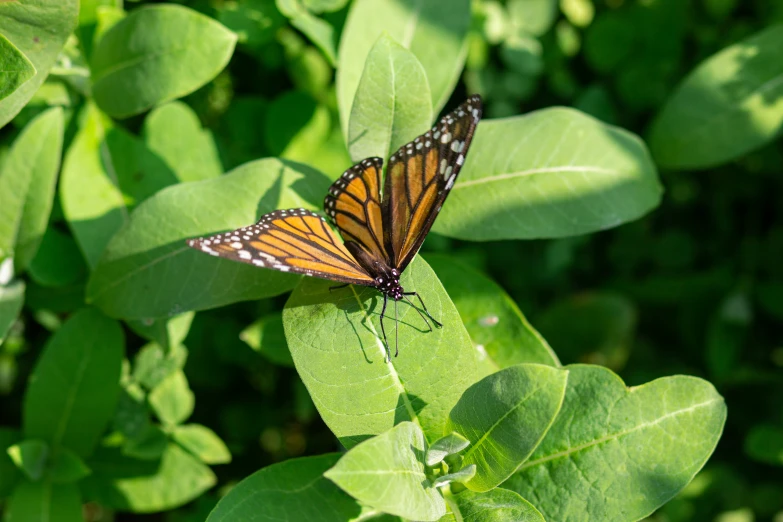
(296, 240)
(353, 204)
(420, 176)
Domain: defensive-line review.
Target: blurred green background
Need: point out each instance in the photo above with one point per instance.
(695, 287)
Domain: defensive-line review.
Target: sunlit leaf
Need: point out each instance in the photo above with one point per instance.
(497, 505)
(15, 68)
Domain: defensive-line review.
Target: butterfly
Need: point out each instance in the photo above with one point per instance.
(382, 230)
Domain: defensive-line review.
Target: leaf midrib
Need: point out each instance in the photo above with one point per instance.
(576, 169)
(614, 436)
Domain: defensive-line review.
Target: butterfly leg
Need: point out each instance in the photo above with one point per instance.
(425, 307)
(338, 287)
(419, 312)
(396, 332)
(383, 330)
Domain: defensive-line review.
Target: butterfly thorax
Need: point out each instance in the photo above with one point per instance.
(385, 278)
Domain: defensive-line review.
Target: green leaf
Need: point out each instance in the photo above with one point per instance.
(534, 17)
(295, 125)
(149, 444)
(75, 384)
(149, 271)
(171, 400)
(445, 446)
(11, 301)
(319, 31)
(9, 473)
(392, 104)
(67, 467)
(157, 54)
(500, 332)
(58, 262)
(505, 416)
(619, 452)
(462, 476)
(290, 490)
(336, 342)
(27, 181)
(254, 21)
(267, 337)
(320, 6)
(30, 456)
(15, 68)
(551, 173)
(497, 505)
(167, 332)
(39, 34)
(174, 133)
(89, 189)
(146, 486)
(764, 443)
(203, 443)
(45, 502)
(387, 473)
(601, 328)
(729, 105)
(433, 30)
(153, 363)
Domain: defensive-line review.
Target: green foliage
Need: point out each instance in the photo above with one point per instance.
(140, 376)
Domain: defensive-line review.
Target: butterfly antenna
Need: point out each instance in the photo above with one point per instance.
(424, 307)
(383, 330)
(418, 312)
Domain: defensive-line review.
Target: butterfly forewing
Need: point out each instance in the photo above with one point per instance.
(296, 240)
(419, 177)
(353, 204)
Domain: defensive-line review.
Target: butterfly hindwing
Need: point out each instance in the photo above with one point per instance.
(296, 240)
(419, 178)
(353, 204)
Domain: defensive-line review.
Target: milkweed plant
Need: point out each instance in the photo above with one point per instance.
(129, 130)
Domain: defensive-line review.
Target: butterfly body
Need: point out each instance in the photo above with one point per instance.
(381, 232)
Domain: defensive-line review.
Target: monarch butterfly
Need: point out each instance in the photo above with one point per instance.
(382, 231)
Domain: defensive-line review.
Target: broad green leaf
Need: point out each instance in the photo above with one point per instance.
(729, 105)
(67, 467)
(75, 384)
(445, 446)
(433, 30)
(157, 54)
(58, 262)
(39, 33)
(146, 486)
(171, 400)
(462, 476)
(153, 363)
(551, 173)
(337, 345)
(11, 301)
(288, 491)
(764, 443)
(497, 505)
(15, 68)
(202, 442)
(89, 189)
(44, 502)
(387, 473)
(174, 133)
(500, 332)
(267, 337)
(601, 328)
(167, 332)
(619, 452)
(255, 22)
(149, 271)
(319, 31)
(392, 104)
(320, 6)
(30, 456)
(106, 170)
(534, 17)
(9, 473)
(505, 416)
(296, 126)
(27, 181)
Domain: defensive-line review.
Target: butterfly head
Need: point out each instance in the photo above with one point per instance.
(389, 284)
